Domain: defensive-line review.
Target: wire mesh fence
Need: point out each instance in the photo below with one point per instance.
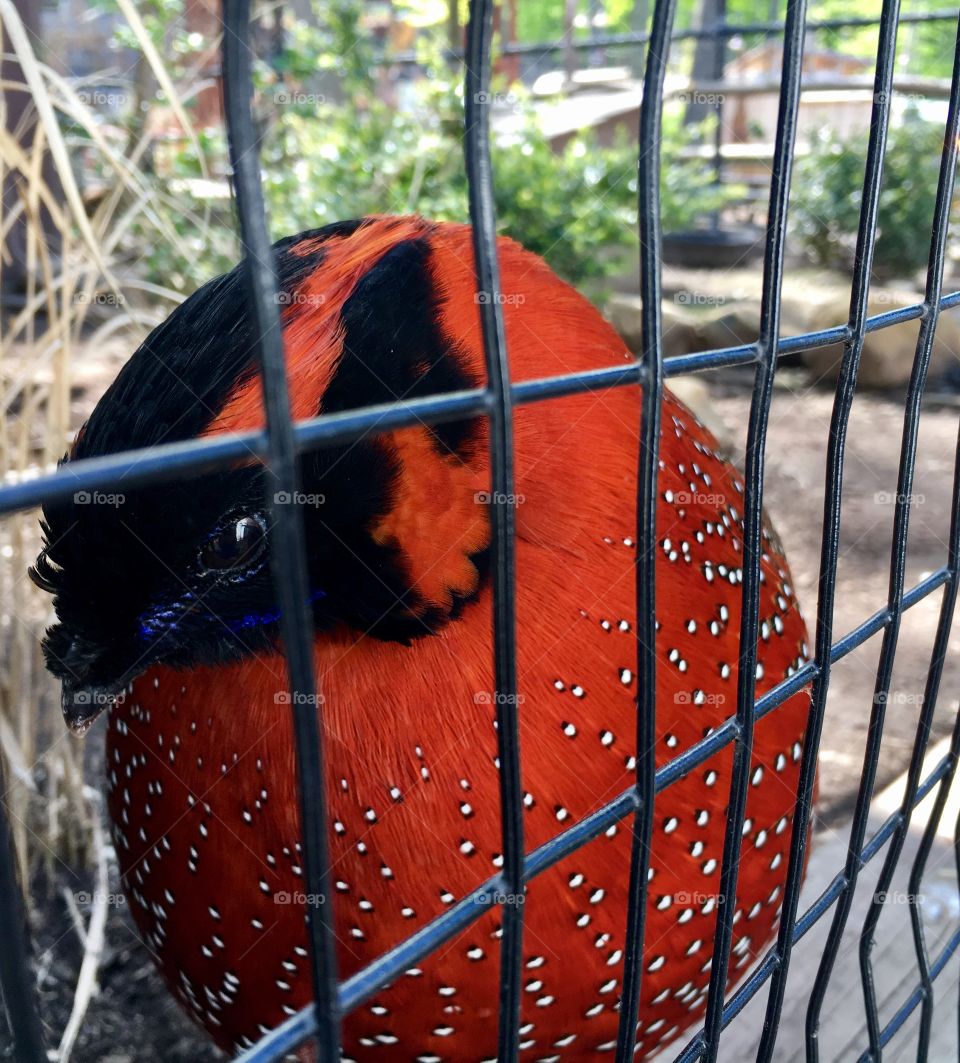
(282, 440)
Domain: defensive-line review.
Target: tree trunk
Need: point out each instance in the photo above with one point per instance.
(639, 17)
(454, 29)
(203, 17)
(569, 52)
(709, 59)
(511, 63)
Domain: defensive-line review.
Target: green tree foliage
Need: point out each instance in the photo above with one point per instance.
(925, 48)
(827, 192)
(327, 158)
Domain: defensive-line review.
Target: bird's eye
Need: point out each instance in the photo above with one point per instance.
(236, 545)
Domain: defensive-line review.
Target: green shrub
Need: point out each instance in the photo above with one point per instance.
(827, 191)
(331, 148)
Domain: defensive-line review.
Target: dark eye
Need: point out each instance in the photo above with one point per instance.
(236, 545)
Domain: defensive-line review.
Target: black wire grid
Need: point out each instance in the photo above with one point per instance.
(278, 445)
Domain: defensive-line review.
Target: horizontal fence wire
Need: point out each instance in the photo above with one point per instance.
(196, 456)
(281, 442)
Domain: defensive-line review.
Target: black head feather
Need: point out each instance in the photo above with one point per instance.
(125, 566)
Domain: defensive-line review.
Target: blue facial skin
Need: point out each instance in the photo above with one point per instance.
(162, 621)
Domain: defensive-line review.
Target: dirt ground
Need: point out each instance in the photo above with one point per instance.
(134, 1019)
(796, 454)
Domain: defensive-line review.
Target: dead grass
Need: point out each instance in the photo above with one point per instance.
(78, 293)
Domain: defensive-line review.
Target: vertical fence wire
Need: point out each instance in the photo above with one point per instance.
(833, 492)
(484, 226)
(18, 987)
(933, 823)
(651, 381)
(931, 689)
(898, 551)
(767, 349)
(891, 861)
(288, 556)
(956, 860)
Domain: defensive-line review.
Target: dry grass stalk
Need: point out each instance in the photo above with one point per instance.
(77, 296)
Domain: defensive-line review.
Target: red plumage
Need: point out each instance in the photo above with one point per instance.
(201, 762)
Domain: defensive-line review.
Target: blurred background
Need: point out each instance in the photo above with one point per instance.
(117, 203)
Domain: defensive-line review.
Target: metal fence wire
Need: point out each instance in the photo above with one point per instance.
(279, 444)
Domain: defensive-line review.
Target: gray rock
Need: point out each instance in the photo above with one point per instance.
(729, 325)
(679, 325)
(888, 353)
(680, 336)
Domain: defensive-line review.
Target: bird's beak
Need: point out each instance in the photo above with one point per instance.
(82, 704)
(93, 679)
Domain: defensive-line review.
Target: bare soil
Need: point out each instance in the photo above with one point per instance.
(796, 455)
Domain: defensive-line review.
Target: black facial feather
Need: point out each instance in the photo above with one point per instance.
(125, 565)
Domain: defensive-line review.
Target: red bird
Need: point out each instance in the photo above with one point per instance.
(164, 592)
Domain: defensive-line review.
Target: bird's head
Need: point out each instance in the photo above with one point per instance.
(177, 572)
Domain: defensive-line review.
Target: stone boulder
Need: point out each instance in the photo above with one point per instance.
(706, 320)
(888, 353)
(624, 312)
(679, 337)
